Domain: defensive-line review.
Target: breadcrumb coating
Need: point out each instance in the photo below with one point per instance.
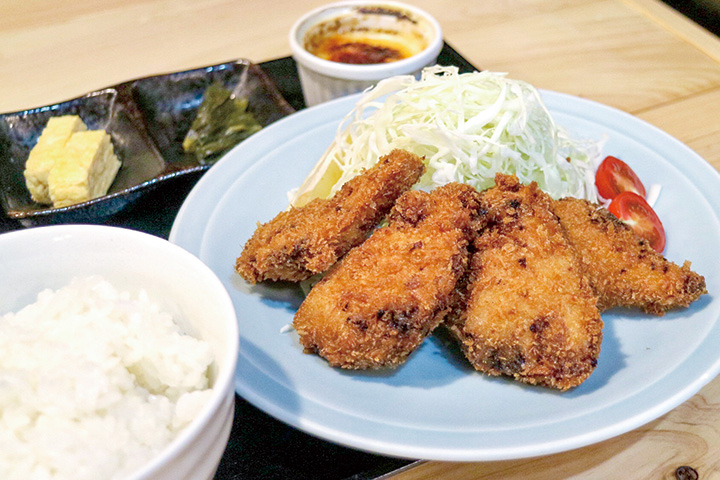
(301, 242)
(387, 295)
(526, 309)
(623, 270)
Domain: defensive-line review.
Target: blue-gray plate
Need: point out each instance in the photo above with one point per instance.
(436, 406)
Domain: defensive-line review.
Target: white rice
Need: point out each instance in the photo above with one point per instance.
(94, 382)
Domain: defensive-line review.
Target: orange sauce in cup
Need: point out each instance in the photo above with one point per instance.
(366, 36)
(363, 48)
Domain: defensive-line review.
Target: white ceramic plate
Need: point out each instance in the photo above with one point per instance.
(435, 406)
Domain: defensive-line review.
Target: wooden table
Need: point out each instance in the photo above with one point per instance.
(636, 55)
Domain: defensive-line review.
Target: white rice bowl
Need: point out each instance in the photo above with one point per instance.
(119, 351)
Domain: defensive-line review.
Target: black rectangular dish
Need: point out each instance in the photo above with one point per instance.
(147, 120)
(260, 447)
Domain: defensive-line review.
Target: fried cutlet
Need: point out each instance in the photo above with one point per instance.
(525, 309)
(378, 304)
(622, 268)
(304, 241)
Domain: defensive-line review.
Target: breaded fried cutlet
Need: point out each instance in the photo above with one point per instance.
(304, 241)
(526, 311)
(622, 268)
(385, 297)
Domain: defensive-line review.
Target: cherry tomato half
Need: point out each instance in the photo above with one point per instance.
(614, 177)
(632, 209)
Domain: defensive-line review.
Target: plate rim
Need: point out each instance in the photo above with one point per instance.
(317, 428)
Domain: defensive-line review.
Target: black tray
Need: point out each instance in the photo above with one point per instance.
(261, 447)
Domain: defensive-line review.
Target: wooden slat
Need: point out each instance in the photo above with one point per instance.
(687, 436)
(693, 121)
(589, 44)
(672, 21)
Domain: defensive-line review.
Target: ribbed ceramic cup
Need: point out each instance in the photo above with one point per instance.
(323, 80)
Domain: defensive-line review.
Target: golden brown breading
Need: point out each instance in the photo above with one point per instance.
(528, 311)
(301, 242)
(622, 268)
(378, 304)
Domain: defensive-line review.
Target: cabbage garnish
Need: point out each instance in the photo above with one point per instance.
(468, 127)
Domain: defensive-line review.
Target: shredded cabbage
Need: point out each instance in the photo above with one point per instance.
(468, 127)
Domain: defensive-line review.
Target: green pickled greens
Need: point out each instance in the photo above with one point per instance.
(467, 126)
(221, 123)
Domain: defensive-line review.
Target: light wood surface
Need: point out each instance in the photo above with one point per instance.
(636, 55)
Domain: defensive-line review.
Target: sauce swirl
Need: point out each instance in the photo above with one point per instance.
(369, 36)
(360, 50)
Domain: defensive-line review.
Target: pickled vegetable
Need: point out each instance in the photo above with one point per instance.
(221, 123)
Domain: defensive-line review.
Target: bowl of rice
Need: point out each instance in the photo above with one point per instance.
(118, 357)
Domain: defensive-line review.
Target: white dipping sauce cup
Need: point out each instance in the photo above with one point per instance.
(323, 80)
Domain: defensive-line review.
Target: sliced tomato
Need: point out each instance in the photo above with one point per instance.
(614, 177)
(632, 209)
